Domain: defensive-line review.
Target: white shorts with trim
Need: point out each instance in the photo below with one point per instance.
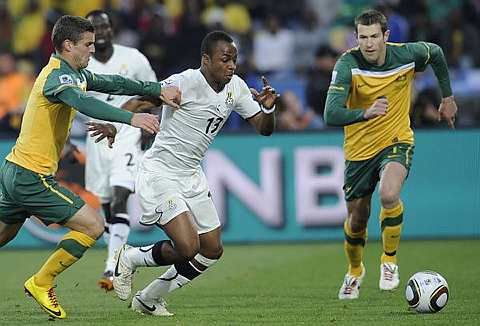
(163, 197)
(108, 167)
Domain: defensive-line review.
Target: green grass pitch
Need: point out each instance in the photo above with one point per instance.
(284, 284)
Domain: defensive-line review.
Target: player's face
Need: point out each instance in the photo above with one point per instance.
(103, 31)
(83, 49)
(223, 62)
(372, 42)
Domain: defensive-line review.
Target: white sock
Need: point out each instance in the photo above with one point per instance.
(171, 280)
(168, 282)
(141, 256)
(118, 237)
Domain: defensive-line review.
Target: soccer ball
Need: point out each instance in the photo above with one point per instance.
(427, 291)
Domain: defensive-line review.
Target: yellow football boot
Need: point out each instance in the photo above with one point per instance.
(46, 298)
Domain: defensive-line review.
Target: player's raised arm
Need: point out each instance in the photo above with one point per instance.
(264, 121)
(430, 53)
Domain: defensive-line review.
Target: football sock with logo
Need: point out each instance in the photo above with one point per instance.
(119, 231)
(68, 251)
(176, 277)
(353, 246)
(391, 221)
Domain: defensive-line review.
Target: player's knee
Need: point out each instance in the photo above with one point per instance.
(118, 206)
(96, 228)
(358, 221)
(216, 252)
(119, 200)
(388, 197)
(187, 249)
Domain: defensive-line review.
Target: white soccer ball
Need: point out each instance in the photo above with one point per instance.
(427, 291)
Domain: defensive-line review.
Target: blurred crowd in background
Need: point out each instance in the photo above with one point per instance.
(294, 43)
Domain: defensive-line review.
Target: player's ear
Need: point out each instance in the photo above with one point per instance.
(386, 35)
(67, 45)
(205, 58)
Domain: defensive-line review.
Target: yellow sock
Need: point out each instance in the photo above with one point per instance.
(353, 245)
(391, 223)
(68, 251)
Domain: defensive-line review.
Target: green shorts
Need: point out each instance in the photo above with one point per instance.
(361, 177)
(24, 193)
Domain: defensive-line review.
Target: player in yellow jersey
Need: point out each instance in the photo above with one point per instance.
(370, 95)
(27, 184)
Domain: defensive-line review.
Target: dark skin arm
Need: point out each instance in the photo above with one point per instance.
(263, 122)
(141, 104)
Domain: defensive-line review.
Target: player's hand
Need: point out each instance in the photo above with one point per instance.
(171, 96)
(267, 97)
(378, 108)
(146, 121)
(102, 130)
(448, 111)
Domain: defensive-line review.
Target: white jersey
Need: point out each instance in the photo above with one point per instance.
(127, 62)
(185, 134)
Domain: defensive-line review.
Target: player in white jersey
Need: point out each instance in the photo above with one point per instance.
(110, 172)
(172, 187)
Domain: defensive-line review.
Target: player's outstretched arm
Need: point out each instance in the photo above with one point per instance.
(97, 109)
(116, 84)
(264, 122)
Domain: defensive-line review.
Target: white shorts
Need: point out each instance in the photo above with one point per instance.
(108, 167)
(163, 197)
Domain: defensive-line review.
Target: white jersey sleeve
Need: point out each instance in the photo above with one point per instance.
(246, 106)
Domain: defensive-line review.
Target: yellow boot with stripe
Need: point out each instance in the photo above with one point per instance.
(45, 297)
(41, 285)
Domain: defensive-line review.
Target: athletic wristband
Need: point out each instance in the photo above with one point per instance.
(267, 111)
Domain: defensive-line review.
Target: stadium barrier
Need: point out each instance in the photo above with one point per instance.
(288, 188)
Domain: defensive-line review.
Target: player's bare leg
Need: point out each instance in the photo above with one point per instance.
(355, 228)
(391, 219)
